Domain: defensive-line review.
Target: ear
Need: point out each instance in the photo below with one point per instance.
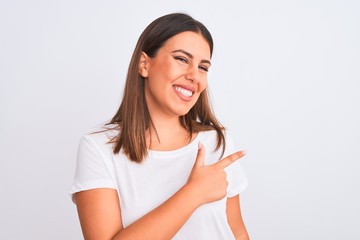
(144, 64)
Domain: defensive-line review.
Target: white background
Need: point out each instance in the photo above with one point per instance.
(285, 80)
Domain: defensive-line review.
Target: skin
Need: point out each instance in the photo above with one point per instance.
(181, 62)
(174, 67)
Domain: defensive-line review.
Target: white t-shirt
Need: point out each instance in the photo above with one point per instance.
(143, 187)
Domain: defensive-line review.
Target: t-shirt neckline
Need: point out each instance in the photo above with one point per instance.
(175, 152)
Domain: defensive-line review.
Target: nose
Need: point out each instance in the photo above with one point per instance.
(193, 74)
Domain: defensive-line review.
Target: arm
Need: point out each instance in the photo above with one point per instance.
(100, 214)
(235, 220)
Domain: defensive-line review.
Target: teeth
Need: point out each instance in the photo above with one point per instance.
(184, 92)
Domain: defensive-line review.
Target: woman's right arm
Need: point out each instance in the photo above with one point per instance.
(100, 214)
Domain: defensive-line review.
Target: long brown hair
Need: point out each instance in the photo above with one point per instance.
(133, 118)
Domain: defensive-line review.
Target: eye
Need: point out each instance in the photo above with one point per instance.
(182, 59)
(203, 68)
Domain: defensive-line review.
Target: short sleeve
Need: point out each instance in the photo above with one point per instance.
(91, 168)
(236, 177)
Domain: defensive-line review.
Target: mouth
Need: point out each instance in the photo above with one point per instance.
(183, 91)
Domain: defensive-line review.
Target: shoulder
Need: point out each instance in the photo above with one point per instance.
(210, 141)
(100, 137)
(212, 136)
(102, 132)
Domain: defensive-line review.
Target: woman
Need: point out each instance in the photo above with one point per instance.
(145, 174)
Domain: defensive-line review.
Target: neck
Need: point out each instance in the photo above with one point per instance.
(166, 133)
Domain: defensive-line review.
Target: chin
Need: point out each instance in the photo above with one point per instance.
(183, 110)
(182, 113)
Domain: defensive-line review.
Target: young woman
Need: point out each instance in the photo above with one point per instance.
(163, 167)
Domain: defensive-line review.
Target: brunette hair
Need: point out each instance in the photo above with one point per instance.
(133, 118)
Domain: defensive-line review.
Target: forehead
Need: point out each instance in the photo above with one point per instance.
(191, 42)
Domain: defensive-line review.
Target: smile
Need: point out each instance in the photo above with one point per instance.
(185, 92)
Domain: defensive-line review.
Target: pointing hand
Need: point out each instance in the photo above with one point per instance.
(209, 182)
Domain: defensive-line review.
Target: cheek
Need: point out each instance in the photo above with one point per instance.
(164, 72)
(203, 84)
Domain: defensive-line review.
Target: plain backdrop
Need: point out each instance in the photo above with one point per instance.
(285, 81)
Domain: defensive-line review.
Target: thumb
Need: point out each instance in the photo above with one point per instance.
(200, 157)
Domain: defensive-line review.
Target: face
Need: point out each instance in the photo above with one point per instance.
(176, 76)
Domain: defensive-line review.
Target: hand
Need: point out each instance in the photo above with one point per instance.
(209, 182)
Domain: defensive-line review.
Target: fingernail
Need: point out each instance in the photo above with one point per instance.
(199, 144)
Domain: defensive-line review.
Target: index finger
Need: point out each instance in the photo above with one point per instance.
(223, 163)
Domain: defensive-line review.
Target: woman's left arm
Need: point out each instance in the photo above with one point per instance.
(234, 218)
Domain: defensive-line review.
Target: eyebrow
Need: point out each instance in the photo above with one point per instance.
(190, 55)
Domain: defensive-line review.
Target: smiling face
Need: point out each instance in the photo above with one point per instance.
(176, 76)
